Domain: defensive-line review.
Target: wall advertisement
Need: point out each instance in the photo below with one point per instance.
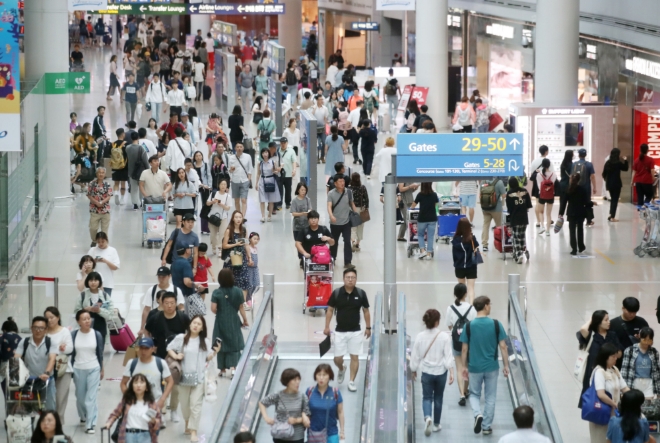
(10, 95)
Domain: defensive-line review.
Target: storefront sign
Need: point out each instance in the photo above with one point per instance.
(573, 111)
(395, 5)
(236, 9)
(644, 67)
(365, 26)
(647, 130)
(363, 7)
(83, 5)
(454, 21)
(10, 95)
(591, 52)
(500, 30)
(66, 83)
(458, 155)
(194, 8)
(153, 9)
(277, 60)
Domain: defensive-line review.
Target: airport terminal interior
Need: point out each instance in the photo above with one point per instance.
(501, 85)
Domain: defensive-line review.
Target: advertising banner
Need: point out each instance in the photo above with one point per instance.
(411, 92)
(405, 97)
(10, 94)
(458, 156)
(647, 130)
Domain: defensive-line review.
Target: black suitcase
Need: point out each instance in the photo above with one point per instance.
(207, 92)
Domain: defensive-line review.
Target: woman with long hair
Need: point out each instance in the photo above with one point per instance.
(371, 101)
(458, 314)
(139, 410)
(235, 239)
(194, 350)
(631, 426)
(86, 265)
(334, 151)
(152, 132)
(361, 199)
(257, 115)
(183, 192)
(163, 141)
(518, 202)
(114, 80)
(427, 221)
(432, 356)
(579, 202)
(300, 206)
(97, 302)
(464, 246)
(205, 187)
(196, 123)
(60, 339)
(220, 205)
(236, 126)
(643, 176)
(226, 302)
(266, 180)
(292, 134)
(641, 365)
(612, 176)
(412, 112)
(85, 142)
(564, 180)
(48, 426)
(545, 175)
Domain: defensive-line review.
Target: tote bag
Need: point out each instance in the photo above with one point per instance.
(593, 409)
(581, 361)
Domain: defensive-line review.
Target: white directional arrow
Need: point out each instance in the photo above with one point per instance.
(240, 8)
(513, 165)
(193, 8)
(142, 8)
(515, 143)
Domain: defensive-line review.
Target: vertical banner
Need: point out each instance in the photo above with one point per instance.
(321, 38)
(10, 94)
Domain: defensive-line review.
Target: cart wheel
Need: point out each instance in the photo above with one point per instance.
(642, 253)
(303, 310)
(637, 250)
(409, 252)
(655, 253)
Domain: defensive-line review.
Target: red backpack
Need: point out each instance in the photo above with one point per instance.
(547, 188)
(321, 255)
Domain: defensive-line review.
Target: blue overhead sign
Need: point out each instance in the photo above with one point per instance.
(365, 26)
(455, 156)
(235, 9)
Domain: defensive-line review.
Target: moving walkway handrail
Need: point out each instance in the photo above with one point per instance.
(370, 407)
(401, 410)
(265, 308)
(517, 318)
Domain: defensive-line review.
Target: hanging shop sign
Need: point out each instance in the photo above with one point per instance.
(498, 30)
(192, 9)
(647, 131)
(451, 156)
(365, 26)
(644, 67)
(10, 91)
(395, 5)
(362, 7)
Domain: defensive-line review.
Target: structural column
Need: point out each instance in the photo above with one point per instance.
(432, 58)
(200, 21)
(556, 52)
(290, 29)
(53, 57)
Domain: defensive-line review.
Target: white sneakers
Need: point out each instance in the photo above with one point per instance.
(351, 386)
(175, 417)
(428, 425)
(437, 428)
(340, 376)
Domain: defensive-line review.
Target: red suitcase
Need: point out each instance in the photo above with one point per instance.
(508, 242)
(122, 339)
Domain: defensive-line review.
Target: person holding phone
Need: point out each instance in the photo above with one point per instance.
(234, 239)
(97, 302)
(628, 324)
(107, 260)
(139, 413)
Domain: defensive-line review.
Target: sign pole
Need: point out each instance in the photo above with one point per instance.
(389, 232)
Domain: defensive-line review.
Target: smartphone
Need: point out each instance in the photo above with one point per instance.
(151, 413)
(218, 341)
(98, 258)
(60, 439)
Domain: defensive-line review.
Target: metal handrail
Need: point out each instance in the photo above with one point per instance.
(402, 407)
(369, 409)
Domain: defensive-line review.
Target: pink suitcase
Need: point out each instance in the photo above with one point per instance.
(122, 339)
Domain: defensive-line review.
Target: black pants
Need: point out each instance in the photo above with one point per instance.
(464, 130)
(355, 139)
(280, 187)
(342, 231)
(563, 201)
(176, 110)
(368, 158)
(644, 193)
(614, 201)
(576, 228)
(286, 183)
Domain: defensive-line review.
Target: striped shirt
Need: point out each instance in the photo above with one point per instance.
(289, 405)
(468, 187)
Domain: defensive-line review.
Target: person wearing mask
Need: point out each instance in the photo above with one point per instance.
(326, 405)
(138, 412)
(149, 300)
(628, 324)
(491, 212)
(138, 161)
(468, 191)
(579, 206)
(226, 302)
(523, 417)
(481, 337)
(641, 365)
(107, 260)
(60, 338)
(593, 335)
(432, 356)
(458, 314)
(348, 301)
(518, 202)
(564, 180)
(609, 386)
(587, 182)
(194, 350)
(545, 180)
(156, 95)
(340, 203)
(630, 425)
(369, 138)
(612, 177)
(47, 427)
(291, 406)
(643, 176)
(87, 363)
(427, 220)
(464, 246)
(39, 354)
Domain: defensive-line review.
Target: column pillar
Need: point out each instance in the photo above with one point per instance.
(38, 61)
(199, 21)
(433, 57)
(290, 29)
(556, 61)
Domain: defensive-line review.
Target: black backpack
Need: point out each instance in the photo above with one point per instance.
(26, 343)
(291, 78)
(423, 118)
(497, 335)
(457, 330)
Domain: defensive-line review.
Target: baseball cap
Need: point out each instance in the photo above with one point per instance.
(146, 342)
(164, 270)
(582, 152)
(284, 140)
(184, 114)
(188, 217)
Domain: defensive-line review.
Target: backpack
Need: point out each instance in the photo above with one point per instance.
(187, 67)
(489, 196)
(26, 344)
(168, 257)
(581, 168)
(86, 171)
(457, 330)
(159, 363)
(547, 191)
(291, 78)
(390, 88)
(265, 132)
(117, 160)
(497, 335)
(423, 118)
(321, 254)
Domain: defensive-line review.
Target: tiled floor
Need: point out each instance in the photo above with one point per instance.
(563, 291)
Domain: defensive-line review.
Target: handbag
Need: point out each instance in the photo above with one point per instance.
(257, 117)
(268, 186)
(175, 368)
(61, 363)
(195, 305)
(478, 258)
(215, 219)
(354, 219)
(593, 409)
(283, 430)
(364, 215)
(581, 361)
(147, 106)
(236, 258)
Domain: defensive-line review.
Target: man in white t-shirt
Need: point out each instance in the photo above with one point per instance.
(331, 73)
(143, 140)
(156, 372)
(524, 418)
(149, 301)
(322, 118)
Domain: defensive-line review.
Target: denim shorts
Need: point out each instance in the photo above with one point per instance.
(469, 201)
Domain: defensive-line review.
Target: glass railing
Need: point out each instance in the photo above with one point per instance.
(370, 405)
(240, 406)
(405, 389)
(525, 383)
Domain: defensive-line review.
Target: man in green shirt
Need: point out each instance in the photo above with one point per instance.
(481, 338)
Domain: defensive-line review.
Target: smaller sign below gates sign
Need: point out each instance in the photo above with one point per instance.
(365, 26)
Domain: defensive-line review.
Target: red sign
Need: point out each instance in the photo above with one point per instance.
(419, 93)
(405, 97)
(647, 130)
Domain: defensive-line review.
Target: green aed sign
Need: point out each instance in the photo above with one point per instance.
(67, 83)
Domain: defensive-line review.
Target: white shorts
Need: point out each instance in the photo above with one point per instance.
(645, 385)
(348, 343)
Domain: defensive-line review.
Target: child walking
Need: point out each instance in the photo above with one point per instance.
(253, 270)
(204, 270)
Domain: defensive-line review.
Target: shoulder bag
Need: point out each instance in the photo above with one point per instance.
(241, 163)
(195, 305)
(581, 361)
(283, 430)
(478, 258)
(593, 408)
(322, 435)
(191, 378)
(431, 345)
(268, 186)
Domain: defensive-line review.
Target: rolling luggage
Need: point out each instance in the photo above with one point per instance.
(207, 93)
(122, 339)
(503, 245)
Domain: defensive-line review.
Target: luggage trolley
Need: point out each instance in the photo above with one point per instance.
(413, 240)
(449, 213)
(317, 286)
(154, 224)
(502, 237)
(650, 244)
(28, 400)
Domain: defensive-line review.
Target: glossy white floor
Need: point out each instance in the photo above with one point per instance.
(563, 291)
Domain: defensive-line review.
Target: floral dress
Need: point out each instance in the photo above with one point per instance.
(240, 274)
(253, 274)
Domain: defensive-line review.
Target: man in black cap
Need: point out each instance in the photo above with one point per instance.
(183, 238)
(149, 299)
(289, 163)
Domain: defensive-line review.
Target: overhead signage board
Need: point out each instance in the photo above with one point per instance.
(395, 5)
(459, 156)
(193, 8)
(82, 5)
(151, 9)
(365, 26)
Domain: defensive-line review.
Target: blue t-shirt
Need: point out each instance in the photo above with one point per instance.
(181, 268)
(615, 433)
(131, 92)
(189, 240)
(323, 406)
(643, 365)
(483, 344)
